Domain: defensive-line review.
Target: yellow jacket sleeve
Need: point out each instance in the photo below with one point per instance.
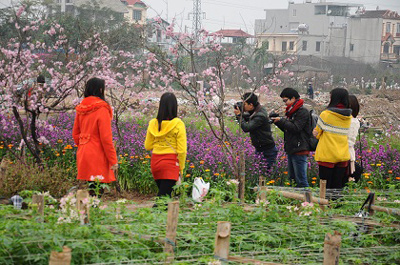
(149, 142)
(181, 146)
(320, 131)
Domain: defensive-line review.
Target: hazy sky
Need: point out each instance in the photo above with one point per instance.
(233, 14)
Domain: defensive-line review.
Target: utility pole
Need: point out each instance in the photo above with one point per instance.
(197, 17)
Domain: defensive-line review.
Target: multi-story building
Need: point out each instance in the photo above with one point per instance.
(73, 6)
(303, 28)
(137, 11)
(156, 34)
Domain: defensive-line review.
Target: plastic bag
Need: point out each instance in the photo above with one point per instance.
(200, 189)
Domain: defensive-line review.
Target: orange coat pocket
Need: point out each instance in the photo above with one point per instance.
(84, 138)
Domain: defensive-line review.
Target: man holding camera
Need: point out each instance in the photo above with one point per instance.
(257, 123)
(296, 127)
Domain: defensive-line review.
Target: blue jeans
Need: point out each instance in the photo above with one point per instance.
(298, 169)
(269, 155)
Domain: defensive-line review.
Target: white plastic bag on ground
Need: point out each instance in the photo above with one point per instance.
(200, 189)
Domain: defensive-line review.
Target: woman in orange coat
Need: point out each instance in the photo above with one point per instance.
(96, 156)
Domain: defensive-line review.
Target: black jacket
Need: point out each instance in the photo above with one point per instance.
(297, 131)
(257, 124)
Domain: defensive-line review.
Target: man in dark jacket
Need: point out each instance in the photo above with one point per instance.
(297, 128)
(256, 122)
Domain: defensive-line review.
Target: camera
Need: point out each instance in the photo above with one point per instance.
(272, 115)
(239, 105)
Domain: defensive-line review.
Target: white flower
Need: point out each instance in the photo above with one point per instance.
(396, 201)
(121, 201)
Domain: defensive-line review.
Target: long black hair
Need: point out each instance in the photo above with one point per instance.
(339, 95)
(168, 108)
(354, 105)
(95, 87)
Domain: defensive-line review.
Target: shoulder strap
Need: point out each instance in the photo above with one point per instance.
(369, 199)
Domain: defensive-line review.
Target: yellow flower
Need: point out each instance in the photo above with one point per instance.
(59, 141)
(10, 146)
(191, 166)
(287, 183)
(125, 154)
(201, 162)
(132, 157)
(390, 171)
(1, 147)
(370, 182)
(188, 161)
(216, 174)
(187, 175)
(314, 178)
(144, 162)
(397, 178)
(207, 170)
(378, 165)
(57, 154)
(285, 172)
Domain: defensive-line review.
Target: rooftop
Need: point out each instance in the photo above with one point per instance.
(233, 33)
(114, 5)
(134, 2)
(387, 14)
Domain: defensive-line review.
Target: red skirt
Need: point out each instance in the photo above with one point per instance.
(165, 166)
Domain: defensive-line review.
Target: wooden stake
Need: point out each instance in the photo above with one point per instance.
(60, 258)
(172, 225)
(322, 191)
(222, 238)
(263, 194)
(242, 175)
(386, 210)
(80, 196)
(39, 201)
(301, 197)
(332, 248)
(308, 196)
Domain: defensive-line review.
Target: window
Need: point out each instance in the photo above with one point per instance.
(396, 50)
(284, 46)
(291, 45)
(266, 45)
(386, 48)
(137, 15)
(294, 12)
(351, 47)
(387, 27)
(320, 10)
(398, 30)
(304, 46)
(318, 46)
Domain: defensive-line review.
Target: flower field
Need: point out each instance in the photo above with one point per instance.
(273, 230)
(205, 158)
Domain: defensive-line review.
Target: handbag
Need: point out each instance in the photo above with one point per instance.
(362, 228)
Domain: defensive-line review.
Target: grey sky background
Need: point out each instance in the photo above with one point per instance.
(235, 14)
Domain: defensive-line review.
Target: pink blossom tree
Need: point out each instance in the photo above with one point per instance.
(208, 61)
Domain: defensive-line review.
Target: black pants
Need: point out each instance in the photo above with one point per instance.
(165, 187)
(334, 176)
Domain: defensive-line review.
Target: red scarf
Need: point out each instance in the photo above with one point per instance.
(290, 110)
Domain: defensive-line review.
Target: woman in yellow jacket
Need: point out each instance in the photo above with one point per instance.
(166, 137)
(332, 153)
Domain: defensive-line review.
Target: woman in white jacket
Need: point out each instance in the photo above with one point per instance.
(353, 132)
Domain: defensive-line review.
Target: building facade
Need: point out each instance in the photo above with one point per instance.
(306, 27)
(137, 12)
